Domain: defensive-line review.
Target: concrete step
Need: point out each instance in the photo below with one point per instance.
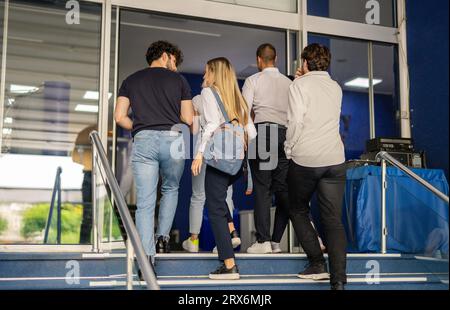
(190, 271)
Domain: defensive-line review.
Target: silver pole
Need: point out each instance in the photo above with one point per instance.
(132, 233)
(94, 203)
(384, 231)
(130, 261)
(3, 71)
(371, 93)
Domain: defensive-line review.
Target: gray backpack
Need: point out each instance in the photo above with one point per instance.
(225, 150)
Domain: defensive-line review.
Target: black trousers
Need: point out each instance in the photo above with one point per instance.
(86, 222)
(216, 187)
(267, 182)
(329, 183)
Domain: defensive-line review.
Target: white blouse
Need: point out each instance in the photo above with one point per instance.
(211, 118)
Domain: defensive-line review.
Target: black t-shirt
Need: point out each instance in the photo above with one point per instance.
(155, 95)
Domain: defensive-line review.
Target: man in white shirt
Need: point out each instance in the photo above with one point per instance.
(267, 95)
(315, 148)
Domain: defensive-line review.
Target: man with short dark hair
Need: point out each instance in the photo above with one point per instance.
(160, 99)
(317, 164)
(267, 95)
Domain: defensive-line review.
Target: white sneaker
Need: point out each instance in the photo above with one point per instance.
(276, 248)
(191, 246)
(260, 248)
(234, 241)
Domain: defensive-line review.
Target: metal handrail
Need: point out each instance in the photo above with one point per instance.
(385, 157)
(134, 243)
(410, 173)
(56, 191)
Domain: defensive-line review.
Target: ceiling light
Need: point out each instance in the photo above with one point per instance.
(202, 33)
(8, 120)
(362, 82)
(22, 89)
(94, 95)
(86, 108)
(7, 131)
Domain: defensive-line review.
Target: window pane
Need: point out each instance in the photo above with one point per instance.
(386, 90)
(349, 64)
(379, 12)
(52, 84)
(278, 5)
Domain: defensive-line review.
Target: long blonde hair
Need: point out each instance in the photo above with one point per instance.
(225, 81)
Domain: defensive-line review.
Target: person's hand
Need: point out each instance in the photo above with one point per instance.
(299, 73)
(197, 164)
(249, 192)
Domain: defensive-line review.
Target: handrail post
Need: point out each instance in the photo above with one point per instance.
(130, 261)
(95, 246)
(56, 187)
(59, 220)
(146, 268)
(384, 231)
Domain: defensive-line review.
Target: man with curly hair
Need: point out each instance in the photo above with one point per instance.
(161, 100)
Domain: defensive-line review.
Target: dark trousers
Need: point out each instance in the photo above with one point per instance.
(216, 187)
(86, 222)
(267, 182)
(329, 183)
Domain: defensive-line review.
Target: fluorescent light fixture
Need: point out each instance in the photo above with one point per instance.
(362, 82)
(7, 131)
(94, 95)
(202, 33)
(11, 101)
(22, 89)
(8, 120)
(86, 108)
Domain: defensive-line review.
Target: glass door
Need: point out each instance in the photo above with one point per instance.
(200, 41)
(49, 103)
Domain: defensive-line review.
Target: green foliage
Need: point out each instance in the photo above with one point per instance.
(35, 220)
(3, 225)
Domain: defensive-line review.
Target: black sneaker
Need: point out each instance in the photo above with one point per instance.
(162, 246)
(222, 273)
(338, 286)
(315, 272)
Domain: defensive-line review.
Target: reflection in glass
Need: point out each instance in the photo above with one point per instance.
(51, 96)
(278, 5)
(350, 63)
(387, 99)
(360, 11)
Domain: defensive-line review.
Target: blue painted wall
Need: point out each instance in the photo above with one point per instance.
(428, 65)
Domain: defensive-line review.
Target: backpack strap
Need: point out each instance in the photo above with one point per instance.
(221, 106)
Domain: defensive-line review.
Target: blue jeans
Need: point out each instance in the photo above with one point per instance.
(157, 153)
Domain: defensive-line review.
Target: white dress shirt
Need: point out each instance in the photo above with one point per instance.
(267, 93)
(211, 118)
(313, 138)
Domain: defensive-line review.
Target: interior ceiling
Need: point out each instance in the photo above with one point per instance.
(42, 47)
(200, 41)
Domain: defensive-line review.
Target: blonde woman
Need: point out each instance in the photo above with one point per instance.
(220, 77)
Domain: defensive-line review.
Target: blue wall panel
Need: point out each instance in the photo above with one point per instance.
(428, 65)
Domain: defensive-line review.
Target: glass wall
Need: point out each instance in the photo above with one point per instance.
(50, 105)
(386, 90)
(373, 12)
(349, 67)
(278, 5)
